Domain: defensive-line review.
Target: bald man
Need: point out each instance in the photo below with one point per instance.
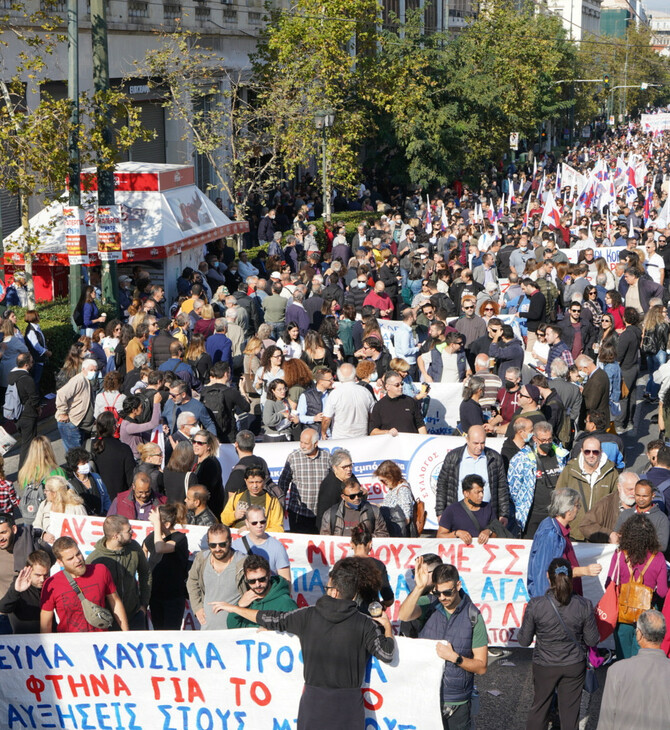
(492, 383)
(473, 458)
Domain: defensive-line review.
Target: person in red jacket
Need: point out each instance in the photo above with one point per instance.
(380, 300)
(137, 502)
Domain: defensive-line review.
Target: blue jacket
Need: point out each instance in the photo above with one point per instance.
(220, 348)
(435, 366)
(548, 544)
(171, 412)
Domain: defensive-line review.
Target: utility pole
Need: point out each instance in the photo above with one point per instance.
(73, 141)
(105, 173)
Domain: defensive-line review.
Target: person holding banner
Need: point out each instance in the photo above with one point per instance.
(334, 669)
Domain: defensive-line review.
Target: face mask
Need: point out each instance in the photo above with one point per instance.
(355, 505)
(84, 468)
(233, 271)
(90, 375)
(361, 284)
(194, 430)
(509, 384)
(374, 377)
(528, 437)
(545, 448)
(583, 375)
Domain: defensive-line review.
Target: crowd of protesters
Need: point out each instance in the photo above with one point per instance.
(292, 346)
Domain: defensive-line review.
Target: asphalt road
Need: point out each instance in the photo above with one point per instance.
(506, 690)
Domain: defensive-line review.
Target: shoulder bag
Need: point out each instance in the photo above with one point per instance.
(98, 616)
(590, 680)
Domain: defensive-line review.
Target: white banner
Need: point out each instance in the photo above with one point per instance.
(609, 253)
(228, 680)
(655, 122)
(494, 575)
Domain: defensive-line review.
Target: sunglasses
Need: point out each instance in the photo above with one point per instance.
(213, 545)
(447, 594)
(259, 522)
(488, 309)
(202, 443)
(4, 519)
(466, 308)
(357, 495)
(253, 581)
(591, 452)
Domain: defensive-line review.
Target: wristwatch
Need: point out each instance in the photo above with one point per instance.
(459, 660)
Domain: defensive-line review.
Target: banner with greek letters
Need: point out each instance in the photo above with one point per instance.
(224, 680)
(493, 575)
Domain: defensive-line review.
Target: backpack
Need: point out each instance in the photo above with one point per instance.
(634, 596)
(147, 407)
(32, 496)
(78, 317)
(112, 409)
(13, 408)
(185, 372)
(212, 398)
(418, 521)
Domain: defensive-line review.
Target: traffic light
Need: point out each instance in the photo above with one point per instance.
(606, 81)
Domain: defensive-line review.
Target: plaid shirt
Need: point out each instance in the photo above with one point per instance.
(303, 475)
(8, 498)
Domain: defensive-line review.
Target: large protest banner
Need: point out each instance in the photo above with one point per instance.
(493, 575)
(419, 457)
(609, 253)
(224, 680)
(655, 122)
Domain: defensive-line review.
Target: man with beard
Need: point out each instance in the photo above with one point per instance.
(93, 582)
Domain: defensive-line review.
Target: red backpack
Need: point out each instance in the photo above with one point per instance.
(112, 409)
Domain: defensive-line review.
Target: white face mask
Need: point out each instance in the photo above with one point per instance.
(90, 375)
(84, 468)
(583, 375)
(194, 430)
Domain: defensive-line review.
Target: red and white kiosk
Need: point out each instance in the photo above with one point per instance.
(166, 220)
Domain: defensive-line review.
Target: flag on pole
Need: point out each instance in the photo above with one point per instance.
(663, 219)
(501, 209)
(490, 213)
(551, 215)
(429, 220)
(512, 199)
(534, 167)
(526, 216)
(557, 190)
(444, 220)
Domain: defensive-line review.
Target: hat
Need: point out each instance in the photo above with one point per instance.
(163, 323)
(533, 391)
(124, 277)
(275, 275)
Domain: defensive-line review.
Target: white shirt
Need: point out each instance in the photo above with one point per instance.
(349, 405)
(449, 367)
(653, 266)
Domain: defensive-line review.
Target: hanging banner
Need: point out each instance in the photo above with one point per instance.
(75, 235)
(224, 680)
(493, 575)
(108, 226)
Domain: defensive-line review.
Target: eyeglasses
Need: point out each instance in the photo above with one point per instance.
(330, 588)
(357, 495)
(259, 522)
(200, 443)
(523, 395)
(393, 385)
(346, 466)
(213, 545)
(447, 594)
(591, 452)
(489, 309)
(174, 395)
(252, 581)
(466, 308)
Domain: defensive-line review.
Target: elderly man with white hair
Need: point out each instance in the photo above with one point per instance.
(74, 406)
(348, 407)
(598, 523)
(235, 332)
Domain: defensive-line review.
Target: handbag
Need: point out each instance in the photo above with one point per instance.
(607, 608)
(590, 679)
(98, 616)
(625, 392)
(634, 596)
(418, 521)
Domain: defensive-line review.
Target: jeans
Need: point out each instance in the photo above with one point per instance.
(72, 435)
(654, 362)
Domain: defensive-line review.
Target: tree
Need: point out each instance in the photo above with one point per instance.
(218, 112)
(34, 158)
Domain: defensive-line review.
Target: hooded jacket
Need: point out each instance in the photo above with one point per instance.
(278, 598)
(124, 565)
(336, 641)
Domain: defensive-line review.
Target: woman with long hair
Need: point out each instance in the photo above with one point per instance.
(110, 398)
(563, 624)
(272, 367)
(166, 550)
(329, 331)
(127, 334)
(316, 353)
(592, 304)
(291, 342)
(398, 504)
(150, 462)
(131, 431)
(112, 460)
(616, 309)
(207, 468)
(602, 268)
(277, 416)
(58, 498)
(655, 332)
(205, 325)
(298, 378)
(608, 332)
(608, 360)
(198, 358)
(178, 475)
(111, 338)
(39, 464)
(489, 309)
(345, 332)
(470, 412)
(87, 483)
(639, 557)
(90, 314)
(361, 544)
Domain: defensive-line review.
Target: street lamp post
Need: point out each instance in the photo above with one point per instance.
(324, 120)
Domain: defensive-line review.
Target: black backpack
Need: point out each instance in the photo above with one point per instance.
(147, 407)
(212, 398)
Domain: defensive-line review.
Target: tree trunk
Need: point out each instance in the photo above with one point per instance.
(28, 254)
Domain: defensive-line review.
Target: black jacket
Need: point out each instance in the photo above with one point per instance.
(28, 394)
(553, 647)
(336, 641)
(160, 348)
(628, 348)
(235, 481)
(589, 334)
(446, 492)
(251, 307)
(116, 465)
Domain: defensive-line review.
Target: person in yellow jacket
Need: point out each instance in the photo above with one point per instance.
(235, 511)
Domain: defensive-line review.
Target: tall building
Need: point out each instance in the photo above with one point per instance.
(580, 17)
(437, 15)
(617, 15)
(660, 27)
